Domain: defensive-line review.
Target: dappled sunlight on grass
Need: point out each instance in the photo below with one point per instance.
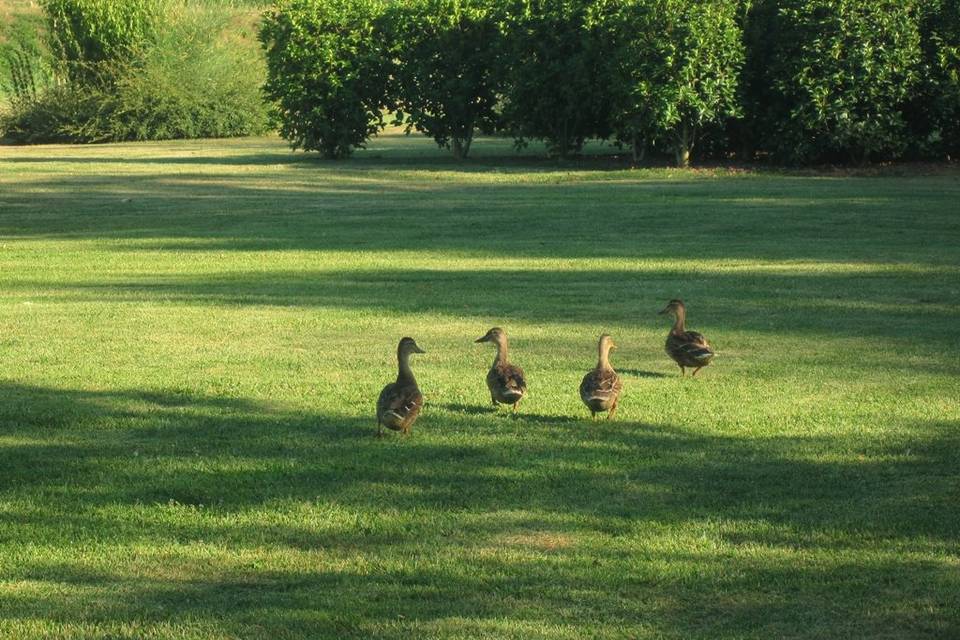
(192, 337)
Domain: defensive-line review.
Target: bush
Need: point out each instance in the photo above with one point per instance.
(85, 33)
(190, 82)
(328, 71)
(935, 113)
(841, 71)
(676, 68)
(553, 90)
(188, 79)
(448, 74)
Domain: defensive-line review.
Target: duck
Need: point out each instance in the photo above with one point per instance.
(600, 388)
(506, 381)
(687, 348)
(400, 402)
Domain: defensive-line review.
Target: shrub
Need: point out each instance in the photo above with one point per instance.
(553, 90)
(328, 70)
(841, 71)
(935, 113)
(676, 67)
(85, 33)
(187, 80)
(448, 73)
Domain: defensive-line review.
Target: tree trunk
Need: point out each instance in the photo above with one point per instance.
(684, 144)
(461, 144)
(639, 147)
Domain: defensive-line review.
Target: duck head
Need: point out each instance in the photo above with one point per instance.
(408, 346)
(495, 335)
(674, 307)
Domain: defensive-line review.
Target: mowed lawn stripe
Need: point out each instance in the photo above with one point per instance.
(193, 336)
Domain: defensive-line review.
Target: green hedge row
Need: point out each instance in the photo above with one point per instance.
(794, 80)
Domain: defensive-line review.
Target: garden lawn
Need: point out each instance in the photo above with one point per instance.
(193, 336)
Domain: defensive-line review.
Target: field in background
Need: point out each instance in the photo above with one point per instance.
(193, 335)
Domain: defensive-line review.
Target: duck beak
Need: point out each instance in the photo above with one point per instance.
(417, 349)
(485, 338)
(665, 310)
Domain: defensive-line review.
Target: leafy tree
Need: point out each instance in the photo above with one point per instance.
(447, 78)
(328, 71)
(935, 112)
(841, 71)
(703, 56)
(555, 90)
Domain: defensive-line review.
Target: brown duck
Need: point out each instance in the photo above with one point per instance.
(400, 402)
(506, 381)
(600, 389)
(687, 348)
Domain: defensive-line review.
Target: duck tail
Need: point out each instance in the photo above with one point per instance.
(702, 353)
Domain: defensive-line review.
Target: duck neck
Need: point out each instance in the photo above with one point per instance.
(603, 362)
(404, 373)
(679, 324)
(501, 357)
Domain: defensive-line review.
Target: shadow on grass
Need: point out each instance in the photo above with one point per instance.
(640, 373)
(533, 518)
(833, 304)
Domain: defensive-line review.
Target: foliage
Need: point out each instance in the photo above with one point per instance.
(553, 89)
(189, 83)
(327, 72)
(448, 78)
(937, 103)
(85, 33)
(192, 78)
(841, 70)
(25, 61)
(676, 69)
(633, 56)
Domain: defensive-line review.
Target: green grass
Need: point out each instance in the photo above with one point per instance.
(193, 336)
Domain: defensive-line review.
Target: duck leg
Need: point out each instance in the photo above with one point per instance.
(695, 371)
(683, 372)
(613, 410)
(379, 429)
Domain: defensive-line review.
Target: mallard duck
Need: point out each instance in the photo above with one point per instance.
(506, 381)
(399, 403)
(600, 389)
(687, 348)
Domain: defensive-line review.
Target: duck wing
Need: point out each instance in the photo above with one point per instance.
(600, 384)
(696, 338)
(399, 405)
(508, 378)
(689, 348)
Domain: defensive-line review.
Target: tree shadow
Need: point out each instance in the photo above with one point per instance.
(560, 507)
(739, 301)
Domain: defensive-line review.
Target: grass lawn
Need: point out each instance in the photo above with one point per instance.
(193, 336)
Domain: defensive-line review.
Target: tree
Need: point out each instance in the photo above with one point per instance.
(935, 112)
(447, 79)
(328, 70)
(634, 56)
(841, 71)
(702, 53)
(555, 89)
